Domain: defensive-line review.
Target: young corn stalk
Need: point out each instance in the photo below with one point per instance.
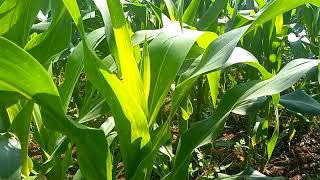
(132, 82)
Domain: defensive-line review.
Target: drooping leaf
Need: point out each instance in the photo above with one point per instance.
(299, 101)
(248, 173)
(31, 80)
(139, 36)
(10, 156)
(219, 51)
(204, 131)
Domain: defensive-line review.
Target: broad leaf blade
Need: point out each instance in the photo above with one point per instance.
(55, 39)
(211, 16)
(204, 131)
(167, 54)
(31, 80)
(129, 69)
(26, 12)
(299, 101)
(131, 125)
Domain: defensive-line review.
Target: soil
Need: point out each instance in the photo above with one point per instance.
(298, 159)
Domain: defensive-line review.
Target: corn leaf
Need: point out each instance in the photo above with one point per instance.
(299, 101)
(145, 70)
(172, 10)
(211, 15)
(165, 62)
(204, 131)
(20, 127)
(104, 9)
(55, 39)
(128, 65)
(190, 15)
(131, 125)
(25, 13)
(75, 66)
(31, 80)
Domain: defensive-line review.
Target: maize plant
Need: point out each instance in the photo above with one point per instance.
(95, 89)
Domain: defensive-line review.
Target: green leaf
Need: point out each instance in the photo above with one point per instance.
(55, 39)
(315, 2)
(61, 147)
(172, 10)
(110, 36)
(10, 156)
(140, 36)
(248, 173)
(167, 54)
(190, 15)
(4, 119)
(219, 51)
(132, 127)
(261, 3)
(93, 109)
(299, 101)
(211, 15)
(61, 165)
(121, 104)
(141, 13)
(159, 137)
(31, 80)
(75, 66)
(275, 8)
(279, 24)
(204, 131)
(22, 17)
(180, 12)
(238, 55)
(250, 106)
(20, 127)
(272, 142)
(129, 69)
(145, 70)
(213, 79)
(17, 18)
(186, 109)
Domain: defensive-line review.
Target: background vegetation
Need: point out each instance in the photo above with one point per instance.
(159, 89)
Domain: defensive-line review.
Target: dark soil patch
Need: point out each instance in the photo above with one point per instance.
(298, 159)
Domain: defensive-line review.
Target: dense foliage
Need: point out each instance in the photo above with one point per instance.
(142, 89)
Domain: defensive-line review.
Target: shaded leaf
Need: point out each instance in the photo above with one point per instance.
(299, 101)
